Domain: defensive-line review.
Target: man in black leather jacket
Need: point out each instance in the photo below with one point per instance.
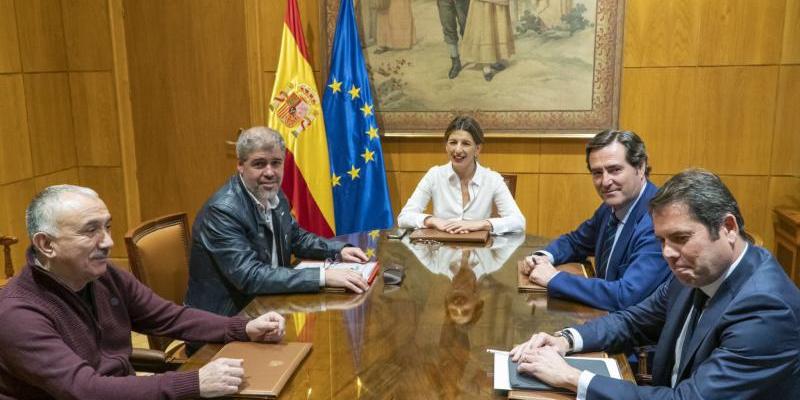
(233, 255)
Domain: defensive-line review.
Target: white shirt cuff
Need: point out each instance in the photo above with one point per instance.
(421, 220)
(583, 384)
(499, 226)
(577, 345)
(322, 277)
(546, 254)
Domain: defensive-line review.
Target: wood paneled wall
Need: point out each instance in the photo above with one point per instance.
(711, 84)
(706, 83)
(718, 93)
(58, 108)
(189, 94)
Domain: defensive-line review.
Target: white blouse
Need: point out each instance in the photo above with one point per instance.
(442, 185)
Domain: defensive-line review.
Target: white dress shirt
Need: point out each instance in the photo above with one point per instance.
(486, 188)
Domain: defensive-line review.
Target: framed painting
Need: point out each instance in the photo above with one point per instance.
(523, 68)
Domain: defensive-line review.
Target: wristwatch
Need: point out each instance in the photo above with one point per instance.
(567, 334)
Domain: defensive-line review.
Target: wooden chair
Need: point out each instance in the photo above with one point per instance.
(511, 182)
(787, 241)
(158, 252)
(642, 376)
(7, 242)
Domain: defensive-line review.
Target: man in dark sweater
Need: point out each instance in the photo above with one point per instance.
(67, 318)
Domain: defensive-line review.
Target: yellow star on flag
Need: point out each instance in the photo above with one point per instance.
(374, 234)
(372, 132)
(367, 110)
(335, 86)
(370, 252)
(353, 172)
(335, 180)
(368, 156)
(354, 92)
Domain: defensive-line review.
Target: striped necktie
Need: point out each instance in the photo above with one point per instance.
(608, 243)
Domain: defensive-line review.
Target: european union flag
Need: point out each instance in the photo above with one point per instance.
(360, 195)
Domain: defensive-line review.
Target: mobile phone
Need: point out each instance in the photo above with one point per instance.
(396, 233)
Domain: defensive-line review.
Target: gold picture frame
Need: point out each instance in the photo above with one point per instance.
(562, 80)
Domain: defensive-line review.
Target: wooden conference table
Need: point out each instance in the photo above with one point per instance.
(424, 339)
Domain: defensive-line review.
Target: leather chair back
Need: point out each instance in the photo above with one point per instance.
(158, 252)
(511, 182)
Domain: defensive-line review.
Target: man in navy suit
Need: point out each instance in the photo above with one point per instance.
(727, 324)
(619, 235)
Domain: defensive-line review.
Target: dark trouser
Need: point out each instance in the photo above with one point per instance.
(453, 16)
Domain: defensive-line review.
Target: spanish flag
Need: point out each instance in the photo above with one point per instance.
(295, 110)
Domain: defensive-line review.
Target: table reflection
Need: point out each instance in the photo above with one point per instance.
(424, 339)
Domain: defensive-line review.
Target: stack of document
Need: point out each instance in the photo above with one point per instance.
(368, 270)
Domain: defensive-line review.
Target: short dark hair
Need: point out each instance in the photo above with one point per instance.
(707, 198)
(635, 152)
(467, 124)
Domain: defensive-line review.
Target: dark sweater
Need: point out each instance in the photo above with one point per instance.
(51, 346)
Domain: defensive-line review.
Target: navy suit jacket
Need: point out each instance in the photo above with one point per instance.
(636, 268)
(746, 344)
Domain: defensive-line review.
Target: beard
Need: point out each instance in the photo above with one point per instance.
(265, 196)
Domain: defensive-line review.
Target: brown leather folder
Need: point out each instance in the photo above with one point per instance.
(441, 236)
(524, 284)
(267, 367)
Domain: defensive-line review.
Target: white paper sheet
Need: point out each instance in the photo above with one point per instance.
(501, 380)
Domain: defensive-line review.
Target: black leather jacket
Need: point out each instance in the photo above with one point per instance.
(230, 261)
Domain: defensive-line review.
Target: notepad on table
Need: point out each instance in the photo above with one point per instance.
(267, 366)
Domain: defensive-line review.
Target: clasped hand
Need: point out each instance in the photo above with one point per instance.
(457, 226)
(539, 269)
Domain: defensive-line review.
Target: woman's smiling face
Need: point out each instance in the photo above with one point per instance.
(461, 148)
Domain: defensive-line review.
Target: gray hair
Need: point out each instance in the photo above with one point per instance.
(707, 198)
(255, 139)
(40, 216)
